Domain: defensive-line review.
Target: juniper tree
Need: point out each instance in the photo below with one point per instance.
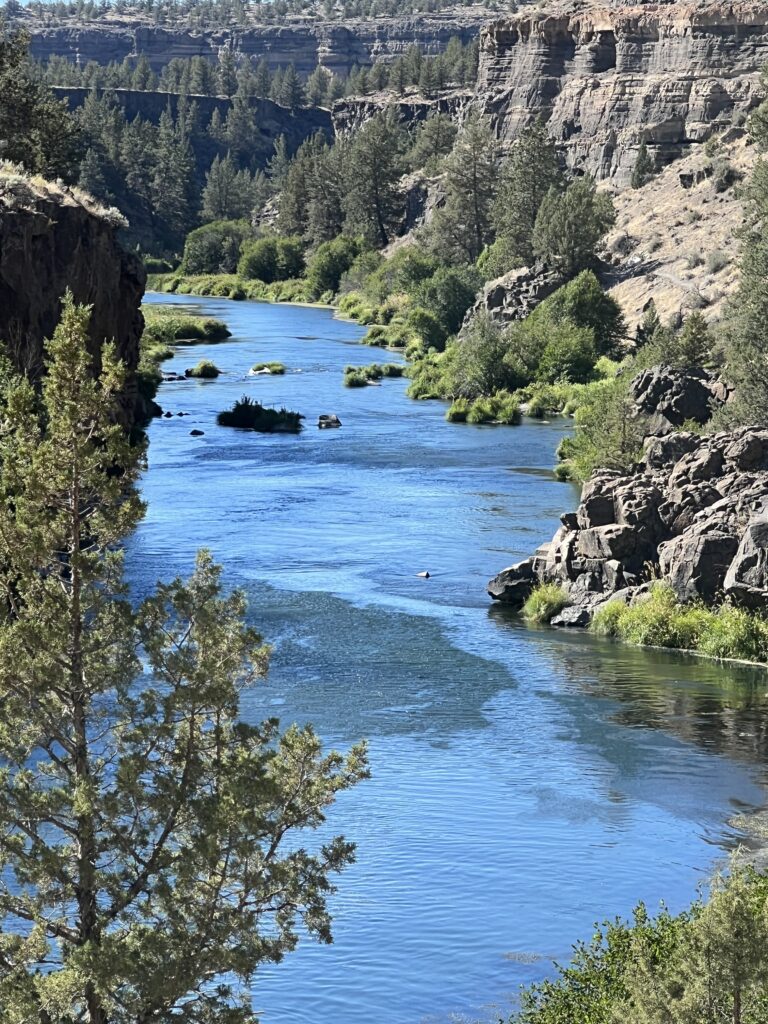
(144, 874)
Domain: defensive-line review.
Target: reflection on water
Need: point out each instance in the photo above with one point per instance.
(525, 782)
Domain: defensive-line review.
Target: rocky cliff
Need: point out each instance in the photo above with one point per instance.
(51, 239)
(693, 512)
(303, 42)
(608, 77)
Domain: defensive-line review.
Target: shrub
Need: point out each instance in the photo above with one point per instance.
(360, 376)
(501, 407)
(694, 259)
(248, 414)
(272, 258)
(170, 327)
(155, 265)
(448, 294)
(545, 602)
(717, 261)
(328, 263)
(569, 355)
(583, 303)
(570, 224)
(428, 327)
(205, 370)
(215, 248)
(458, 411)
(736, 633)
(273, 368)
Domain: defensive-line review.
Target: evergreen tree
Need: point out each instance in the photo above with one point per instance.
(373, 199)
(227, 72)
(146, 834)
(434, 139)
(263, 80)
(216, 127)
(463, 227)
(36, 130)
(644, 167)
(648, 326)
(528, 174)
(318, 85)
(228, 193)
(239, 127)
(279, 162)
(90, 177)
(173, 196)
(570, 224)
(292, 91)
(694, 343)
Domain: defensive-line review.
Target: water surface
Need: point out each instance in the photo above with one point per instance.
(526, 782)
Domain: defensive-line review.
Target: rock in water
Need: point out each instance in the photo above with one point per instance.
(326, 421)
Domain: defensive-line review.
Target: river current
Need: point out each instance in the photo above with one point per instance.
(526, 782)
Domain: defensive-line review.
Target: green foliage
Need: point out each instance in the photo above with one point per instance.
(231, 193)
(204, 370)
(644, 167)
(462, 227)
(659, 620)
(214, 248)
(37, 131)
(135, 802)
(568, 355)
(167, 327)
(527, 176)
(433, 140)
(428, 327)
(271, 258)
(498, 408)
(274, 368)
(373, 200)
(570, 224)
(583, 302)
(609, 434)
(544, 602)
(448, 294)
(329, 262)
(248, 414)
(361, 376)
(694, 344)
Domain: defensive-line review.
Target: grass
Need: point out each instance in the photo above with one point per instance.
(501, 408)
(229, 286)
(659, 620)
(545, 602)
(168, 327)
(205, 370)
(248, 414)
(362, 376)
(273, 368)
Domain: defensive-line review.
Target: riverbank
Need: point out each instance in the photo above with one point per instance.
(232, 286)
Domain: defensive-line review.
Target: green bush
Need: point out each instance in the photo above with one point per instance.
(500, 407)
(248, 414)
(361, 376)
(328, 263)
(205, 370)
(545, 602)
(169, 327)
(659, 620)
(272, 258)
(214, 248)
(274, 368)
(428, 327)
(448, 294)
(458, 411)
(569, 355)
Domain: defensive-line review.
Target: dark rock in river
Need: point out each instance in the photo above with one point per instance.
(693, 512)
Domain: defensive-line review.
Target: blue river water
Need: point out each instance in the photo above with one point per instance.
(526, 782)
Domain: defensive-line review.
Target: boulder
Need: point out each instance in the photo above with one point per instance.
(516, 294)
(513, 585)
(746, 580)
(695, 564)
(572, 616)
(328, 420)
(669, 396)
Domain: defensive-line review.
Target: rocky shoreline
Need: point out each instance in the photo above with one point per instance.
(692, 513)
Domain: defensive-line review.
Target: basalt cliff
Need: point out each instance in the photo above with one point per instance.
(607, 78)
(301, 41)
(53, 239)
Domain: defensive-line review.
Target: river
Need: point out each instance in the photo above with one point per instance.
(526, 782)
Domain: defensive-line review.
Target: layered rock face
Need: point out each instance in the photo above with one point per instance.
(50, 240)
(338, 47)
(694, 513)
(607, 78)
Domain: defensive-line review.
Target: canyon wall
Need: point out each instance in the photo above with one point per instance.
(51, 239)
(607, 78)
(337, 46)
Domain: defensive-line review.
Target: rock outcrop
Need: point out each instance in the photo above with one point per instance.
(53, 239)
(516, 294)
(670, 397)
(693, 512)
(608, 77)
(338, 46)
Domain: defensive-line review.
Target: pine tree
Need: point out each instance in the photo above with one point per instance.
(263, 80)
(318, 85)
(279, 162)
(463, 227)
(229, 194)
(694, 343)
(570, 224)
(240, 128)
(173, 196)
(435, 138)
(292, 91)
(528, 174)
(227, 72)
(427, 79)
(648, 326)
(90, 177)
(146, 845)
(644, 167)
(374, 166)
